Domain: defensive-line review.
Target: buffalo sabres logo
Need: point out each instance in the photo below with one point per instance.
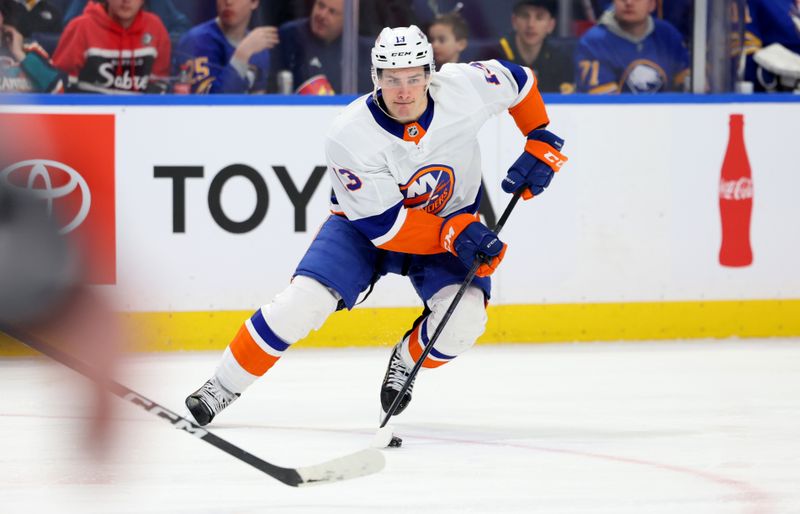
(429, 189)
(412, 131)
(644, 76)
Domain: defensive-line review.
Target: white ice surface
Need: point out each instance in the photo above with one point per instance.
(628, 428)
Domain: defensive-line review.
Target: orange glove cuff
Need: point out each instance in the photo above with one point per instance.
(451, 229)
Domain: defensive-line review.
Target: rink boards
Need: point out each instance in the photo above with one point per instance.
(214, 203)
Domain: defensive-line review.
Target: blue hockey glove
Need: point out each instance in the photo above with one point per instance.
(535, 167)
(467, 238)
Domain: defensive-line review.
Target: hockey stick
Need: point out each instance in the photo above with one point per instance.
(364, 462)
(461, 290)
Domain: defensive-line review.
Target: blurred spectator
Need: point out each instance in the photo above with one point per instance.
(528, 45)
(222, 56)
(34, 16)
(448, 35)
(173, 18)
(679, 13)
(373, 15)
(197, 11)
(486, 19)
(115, 47)
(278, 12)
(768, 22)
(24, 68)
(311, 49)
(629, 51)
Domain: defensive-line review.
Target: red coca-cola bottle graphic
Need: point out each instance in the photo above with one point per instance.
(735, 199)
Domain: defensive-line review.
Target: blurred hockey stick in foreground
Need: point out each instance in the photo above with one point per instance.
(363, 462)
(384, 435)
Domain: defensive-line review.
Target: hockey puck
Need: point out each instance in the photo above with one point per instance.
(396, 442)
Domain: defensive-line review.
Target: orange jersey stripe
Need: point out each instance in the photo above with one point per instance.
(249, 355)
(418, 235)
(530, 113)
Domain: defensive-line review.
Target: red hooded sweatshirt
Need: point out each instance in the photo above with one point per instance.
(99, 55)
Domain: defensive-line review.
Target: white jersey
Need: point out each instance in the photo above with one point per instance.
(383, 170)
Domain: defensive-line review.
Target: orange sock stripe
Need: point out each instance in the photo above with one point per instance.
(415, 348)
(249, 355)
(430, 363)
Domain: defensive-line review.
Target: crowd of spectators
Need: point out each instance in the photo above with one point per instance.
(295, 46)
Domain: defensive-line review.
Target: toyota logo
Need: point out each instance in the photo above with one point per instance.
(25, 174)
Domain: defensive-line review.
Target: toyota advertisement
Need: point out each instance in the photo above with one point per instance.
(67, 160)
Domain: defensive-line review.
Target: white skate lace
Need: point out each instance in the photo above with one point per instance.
(215, 396)
(398, 373)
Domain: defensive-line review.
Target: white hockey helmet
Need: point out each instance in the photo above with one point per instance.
(401, 47)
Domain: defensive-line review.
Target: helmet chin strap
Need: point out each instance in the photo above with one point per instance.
(377, 102)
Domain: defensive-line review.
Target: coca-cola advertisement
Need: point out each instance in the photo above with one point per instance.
(736, 199)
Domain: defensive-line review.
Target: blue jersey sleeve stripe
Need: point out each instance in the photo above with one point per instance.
(517, 72)
(267, 335)
(376, 226)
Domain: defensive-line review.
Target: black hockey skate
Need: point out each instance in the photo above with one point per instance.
(393, 382)
(208, 401)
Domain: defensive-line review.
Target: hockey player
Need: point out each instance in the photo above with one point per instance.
(406, 172)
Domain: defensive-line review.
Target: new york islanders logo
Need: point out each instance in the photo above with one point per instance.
(429, 189)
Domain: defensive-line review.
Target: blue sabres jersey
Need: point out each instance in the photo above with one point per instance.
(678, 13)
(208, 53)
(607, 62)
(773, 21)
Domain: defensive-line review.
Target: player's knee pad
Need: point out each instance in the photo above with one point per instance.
(466, 324)
(300, 308)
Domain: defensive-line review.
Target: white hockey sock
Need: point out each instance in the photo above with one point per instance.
(231, 375)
